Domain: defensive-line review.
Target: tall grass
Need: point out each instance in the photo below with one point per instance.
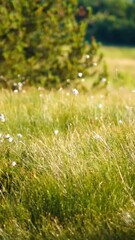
(71, 175)
(121, 62)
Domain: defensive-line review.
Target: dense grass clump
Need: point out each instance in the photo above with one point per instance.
(67, 165)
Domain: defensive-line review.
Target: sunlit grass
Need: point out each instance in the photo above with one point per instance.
(119, 52)
(121, 62)
(69, 171)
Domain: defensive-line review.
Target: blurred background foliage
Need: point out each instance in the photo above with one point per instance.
(113, 21)
(42, 42)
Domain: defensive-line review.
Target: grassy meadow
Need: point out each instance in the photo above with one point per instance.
(67, 160)
(121, 65)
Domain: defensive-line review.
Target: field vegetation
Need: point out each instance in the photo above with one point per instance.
(68, 160)
(121, 68)
(67, 128)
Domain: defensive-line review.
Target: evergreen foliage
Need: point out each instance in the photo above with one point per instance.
(42, 43)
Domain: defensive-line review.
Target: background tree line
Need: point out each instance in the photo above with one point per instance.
(113, 21)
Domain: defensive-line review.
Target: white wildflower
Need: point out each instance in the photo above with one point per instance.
(80, 74)
(94, 64)
(100, 106)
(10, 139)
(13, 164)
(67, 94)
(40, 89)
(1, 139)
(56, 131)
(2, 117)
(103, 80)
(87, 56)
(16, 91)
(19, 135)
(133, 91)
(20, 85)
(120, 121)
(7, 136)
(68, 80)
(75, 91)
(97, 137)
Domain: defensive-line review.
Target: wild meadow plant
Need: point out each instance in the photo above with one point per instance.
(67, 167)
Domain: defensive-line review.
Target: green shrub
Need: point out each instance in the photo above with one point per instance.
(41, 42)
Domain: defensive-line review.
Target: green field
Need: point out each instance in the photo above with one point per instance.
(121, 65)
(67, 169)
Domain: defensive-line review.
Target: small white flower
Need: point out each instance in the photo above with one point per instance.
(3, 120)
(20, 85)
(16, 91)
(100, 106)
(67, 94)
(10, 139)
(75, 91)
(19, 135)
(13, 164)
(94, 64)
(103, 80)
(120, 121)
(7, 136)
(97, 137)
(87, 56)
(68, 80)
(2, 117)
(80, 74)
(56, 131)
(40, 88)
(41, 95)
(133, 91)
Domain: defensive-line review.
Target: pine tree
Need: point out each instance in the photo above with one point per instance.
(43, 42)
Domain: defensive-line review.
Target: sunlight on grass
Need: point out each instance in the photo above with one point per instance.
(121, 62)
(70, 164)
